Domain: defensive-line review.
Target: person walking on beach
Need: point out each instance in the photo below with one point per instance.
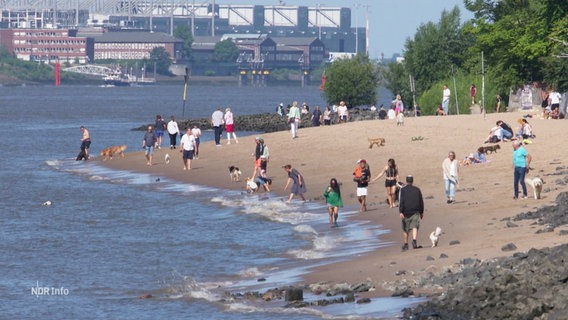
(230, 126)
(298, 183)
(450, 170)
(217, 122)
(85, 144)
(397, 105)
(521, 163)
(294, 119)
(411, 208)
(332, 195)
(159, 128)
(342, 112)
(472, 93)
(196, 134)
(187, 146)
(446, 93)
(391, 173)
(316, 117)
(173, 131)
(327, 116)
(148, 143)
(362, 175)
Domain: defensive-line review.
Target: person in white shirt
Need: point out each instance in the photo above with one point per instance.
(173, 131)
(342, 112)
(229, 126)
(446, 98)
(196, 132)
(187, 147)
(217, 121)
(554, 98)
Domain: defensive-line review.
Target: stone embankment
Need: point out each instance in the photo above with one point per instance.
(269, 122)
(528, 285)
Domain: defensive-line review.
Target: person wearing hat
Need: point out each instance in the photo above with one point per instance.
(411, 208)
(362, 175)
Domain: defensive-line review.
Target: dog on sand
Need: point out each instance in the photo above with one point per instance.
(400, 119)
(235, 174)
(109, 152)
(435, 236)
(536, 183)
(376, 141)
(492, 148)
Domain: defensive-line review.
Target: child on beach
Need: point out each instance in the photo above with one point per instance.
(332, 195)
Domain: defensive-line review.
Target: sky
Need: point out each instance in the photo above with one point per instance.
(391, 22)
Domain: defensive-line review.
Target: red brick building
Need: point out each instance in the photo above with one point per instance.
(47, 45)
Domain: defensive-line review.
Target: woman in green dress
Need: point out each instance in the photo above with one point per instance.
(332, 196)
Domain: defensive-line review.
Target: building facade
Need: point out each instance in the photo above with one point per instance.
(47, 45)
(134, 45)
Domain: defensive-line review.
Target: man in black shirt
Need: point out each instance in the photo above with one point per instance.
(411, 208)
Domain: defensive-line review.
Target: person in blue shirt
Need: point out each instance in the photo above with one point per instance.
(521, 164)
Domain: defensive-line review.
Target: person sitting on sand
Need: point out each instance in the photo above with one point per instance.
(501, 131)
(525, 130)
(473, 158)
(440, 111)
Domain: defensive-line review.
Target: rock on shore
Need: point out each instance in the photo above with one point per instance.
(269, 122)
(528, 285)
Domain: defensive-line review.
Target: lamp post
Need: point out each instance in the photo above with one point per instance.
(317, 20)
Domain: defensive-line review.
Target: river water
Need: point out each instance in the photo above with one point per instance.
(111, 236)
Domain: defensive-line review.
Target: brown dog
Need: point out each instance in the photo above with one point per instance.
(109, 152)
(378, 141)
(492, 148)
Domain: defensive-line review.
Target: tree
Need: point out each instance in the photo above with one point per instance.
(436, 47)
(161, 59)
(183, 32)
(352, 80)
(517, 38)
(225, 51)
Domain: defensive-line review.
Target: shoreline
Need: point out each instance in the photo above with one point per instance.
(476, 222)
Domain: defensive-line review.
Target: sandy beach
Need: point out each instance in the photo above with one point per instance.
(475, 221)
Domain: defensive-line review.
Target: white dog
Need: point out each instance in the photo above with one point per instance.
(435, 236)
(400, 119)
(536, 183)
(167, 158)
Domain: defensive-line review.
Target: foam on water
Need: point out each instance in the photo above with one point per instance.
(308, 221)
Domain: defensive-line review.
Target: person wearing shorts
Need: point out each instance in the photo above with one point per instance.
(411, 208)
(187, 146)
(391, 173)
(148, 143)
(159, 128)
(362, 175)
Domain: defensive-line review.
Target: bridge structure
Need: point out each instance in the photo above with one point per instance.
(90, 69)
(71, 12)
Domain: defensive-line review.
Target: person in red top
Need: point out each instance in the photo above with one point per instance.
(472, 93)
(362, 175)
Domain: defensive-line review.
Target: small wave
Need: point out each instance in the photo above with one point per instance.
(303, 228)
(250, 272)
